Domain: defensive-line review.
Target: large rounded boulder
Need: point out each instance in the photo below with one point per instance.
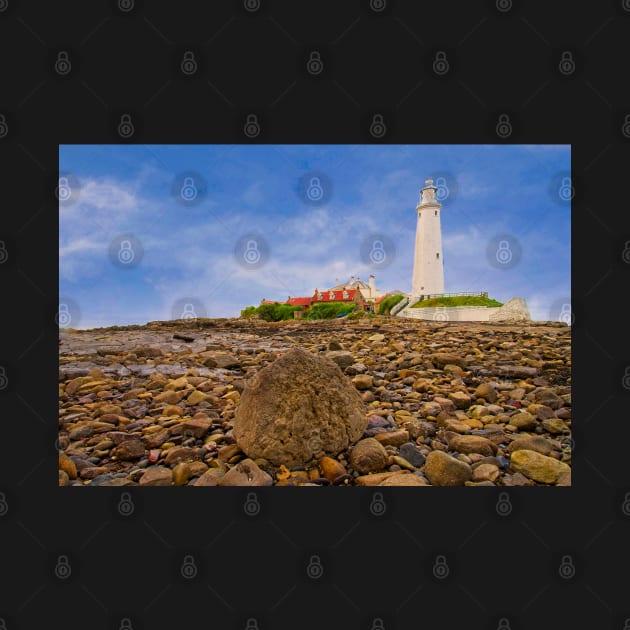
(298, 409)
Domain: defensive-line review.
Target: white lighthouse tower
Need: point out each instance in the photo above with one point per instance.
(428, 266)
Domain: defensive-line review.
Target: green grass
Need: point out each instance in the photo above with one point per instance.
(458, 300)
(275, 312)
(324, 310)
(388, 303)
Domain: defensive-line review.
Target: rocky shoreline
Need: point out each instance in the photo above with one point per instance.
(446, 404)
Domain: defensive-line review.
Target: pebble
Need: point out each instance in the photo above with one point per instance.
(245, 473)
(178, 454)
(157, 476)
(538, 467)
(485, 472)
(368, 455)
(363, 381)
(133, 400)
(523, 420)
(531, 443)
(331, 468)
(403, 480)
(181, 474)
(393, 438)
(67, 466)
(130, 449)
(443, 470)
(554, 426)
(470, 443)
(412, 454)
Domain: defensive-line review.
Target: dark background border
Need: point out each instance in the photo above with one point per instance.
(377, 57)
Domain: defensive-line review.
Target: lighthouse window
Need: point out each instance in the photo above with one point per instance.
(437, 255)
(436, 213)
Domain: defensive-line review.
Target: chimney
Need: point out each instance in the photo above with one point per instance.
(372, 287)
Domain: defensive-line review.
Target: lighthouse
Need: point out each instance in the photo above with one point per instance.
(428, 265)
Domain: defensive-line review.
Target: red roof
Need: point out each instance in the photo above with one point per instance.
(334, 296)
(299, 301)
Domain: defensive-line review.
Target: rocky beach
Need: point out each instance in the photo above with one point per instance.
(376, 401)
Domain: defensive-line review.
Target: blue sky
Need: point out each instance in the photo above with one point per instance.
(148, 231)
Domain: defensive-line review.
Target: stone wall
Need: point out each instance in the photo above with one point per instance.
(513, 310)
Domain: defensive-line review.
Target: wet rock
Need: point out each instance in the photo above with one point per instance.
(486, 391)
(440, 359)
(377, 478)
(226, 453)
(564, 479)
(179, 454)
(517, 371)
(485, 472)
(195, 397)
(156, 439)
(67, 466)
(147, 352)
(331, 468)
(412, 454)
(443, 470)
(226, 361)
(548, 397)
(419, 429)
(363, 381)
(129, 450)
(210, 477)
(403, 480)
(523, 421)
(461, 399)
(538, 467)
(368, 455)
(517, 479)
(245, 473)
(298, 408)
(542, 412)
(470, 443)
(531, 443)
(156, 476)
(181, 474)
(430, 409)
(554, 426)
(342, 358)
(92, 471)
(392, 438)
(64, 480)
(197, 427)
(170, 397)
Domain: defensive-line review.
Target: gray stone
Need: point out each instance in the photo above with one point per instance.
(412, 454)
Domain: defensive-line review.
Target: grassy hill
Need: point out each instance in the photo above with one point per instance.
(458, 300)
(389, 302)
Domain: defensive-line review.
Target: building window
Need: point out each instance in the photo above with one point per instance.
(320, 296)
(331, 296)
(345, 295)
